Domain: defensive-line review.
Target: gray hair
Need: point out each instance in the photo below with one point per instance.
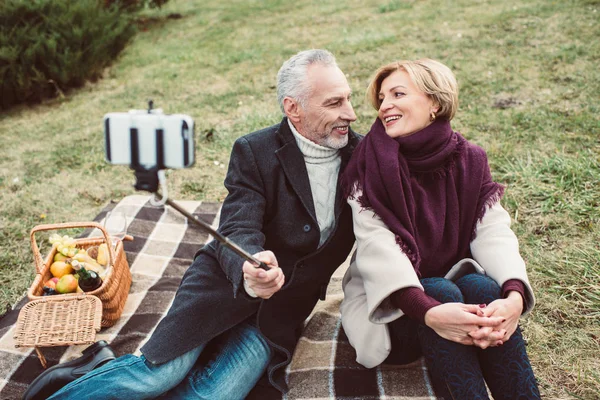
(291, 78)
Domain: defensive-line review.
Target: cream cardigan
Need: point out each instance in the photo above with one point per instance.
(379, 268)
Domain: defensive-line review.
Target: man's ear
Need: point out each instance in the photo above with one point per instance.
(291, 109)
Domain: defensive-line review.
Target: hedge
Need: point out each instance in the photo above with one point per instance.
(49, 46)
(134, 5)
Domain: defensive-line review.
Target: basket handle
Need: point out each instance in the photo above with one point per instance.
(39, 262)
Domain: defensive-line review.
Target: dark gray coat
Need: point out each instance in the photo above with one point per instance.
(269, 206)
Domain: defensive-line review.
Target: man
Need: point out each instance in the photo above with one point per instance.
(232, 323)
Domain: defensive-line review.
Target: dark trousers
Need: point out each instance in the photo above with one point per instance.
(458, 371)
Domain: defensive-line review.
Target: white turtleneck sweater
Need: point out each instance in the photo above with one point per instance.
(323, 166)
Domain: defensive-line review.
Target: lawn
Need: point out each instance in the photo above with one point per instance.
(529, 79)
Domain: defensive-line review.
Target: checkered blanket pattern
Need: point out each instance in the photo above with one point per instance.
(164, 244)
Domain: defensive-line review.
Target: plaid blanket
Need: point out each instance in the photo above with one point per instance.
(164, 244)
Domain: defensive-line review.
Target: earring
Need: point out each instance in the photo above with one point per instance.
(432, 116)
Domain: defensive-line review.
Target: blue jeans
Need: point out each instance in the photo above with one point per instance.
(227, 368)
(458, 371)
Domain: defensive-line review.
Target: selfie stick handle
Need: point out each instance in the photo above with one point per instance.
(222, 239)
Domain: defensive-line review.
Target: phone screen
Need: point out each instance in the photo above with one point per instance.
(149, 140)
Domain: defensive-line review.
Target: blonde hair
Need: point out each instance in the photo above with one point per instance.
(431, 77)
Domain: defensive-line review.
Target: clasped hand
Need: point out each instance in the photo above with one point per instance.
(510, 309)
(264, 283)
(472, 324)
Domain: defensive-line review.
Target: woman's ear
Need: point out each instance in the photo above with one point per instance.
(433, 110)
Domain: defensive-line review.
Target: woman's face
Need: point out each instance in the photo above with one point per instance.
(404, 108)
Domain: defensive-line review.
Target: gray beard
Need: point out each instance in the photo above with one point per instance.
(332, 143)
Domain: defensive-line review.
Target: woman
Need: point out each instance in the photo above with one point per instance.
(437, 272)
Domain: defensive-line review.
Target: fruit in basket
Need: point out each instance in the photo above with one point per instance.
(51, 283)
(85, 258)
(93, 252)
(96, 268)
(60, 257)
(66, 240)
(103, 254)
(67, 284)
(60, 268)
(67, 251)
(65, 245)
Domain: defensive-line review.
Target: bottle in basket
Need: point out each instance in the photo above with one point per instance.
(88, 279)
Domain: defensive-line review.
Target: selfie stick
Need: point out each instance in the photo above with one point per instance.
(222, 239)
(149, 180)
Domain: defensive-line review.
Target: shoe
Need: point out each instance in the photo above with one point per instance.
(58, 376)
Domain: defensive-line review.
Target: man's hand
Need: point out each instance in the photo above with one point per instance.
(455, 321)
(264, 283)
(509, 309)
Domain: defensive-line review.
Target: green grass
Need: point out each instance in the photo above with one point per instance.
(529, 78)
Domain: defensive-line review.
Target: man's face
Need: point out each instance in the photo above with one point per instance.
(327, 115)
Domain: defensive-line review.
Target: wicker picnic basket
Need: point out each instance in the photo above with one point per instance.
(49, 322)
(115, 285)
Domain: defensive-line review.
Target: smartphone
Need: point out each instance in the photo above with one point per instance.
(147, 140)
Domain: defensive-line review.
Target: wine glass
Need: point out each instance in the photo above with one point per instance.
(115, 224)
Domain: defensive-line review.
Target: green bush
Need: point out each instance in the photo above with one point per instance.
(48, 46)
(134, 5)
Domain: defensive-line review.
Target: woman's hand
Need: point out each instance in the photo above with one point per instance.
(509, 309)
(455, 321)
(487, 337)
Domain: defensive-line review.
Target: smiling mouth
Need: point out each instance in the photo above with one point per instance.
(392, 118)
(341, 129)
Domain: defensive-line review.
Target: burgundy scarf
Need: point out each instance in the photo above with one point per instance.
(430, 189)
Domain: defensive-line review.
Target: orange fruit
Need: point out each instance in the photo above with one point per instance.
(60, 268)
